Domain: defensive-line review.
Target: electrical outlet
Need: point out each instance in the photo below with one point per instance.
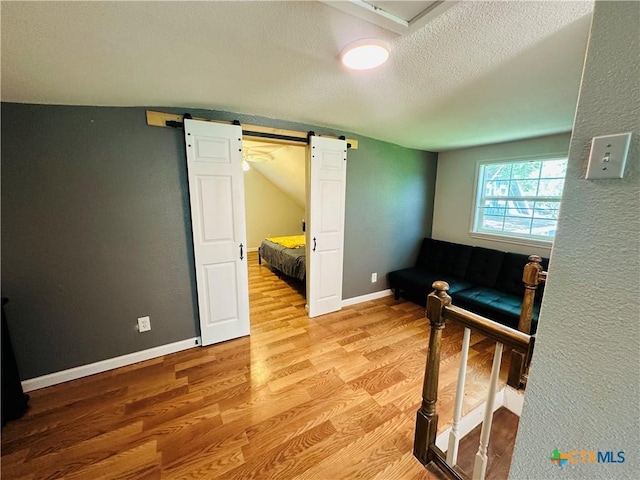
(374, 277)
(144, 324)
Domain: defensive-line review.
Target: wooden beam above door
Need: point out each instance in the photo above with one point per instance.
(253, 132)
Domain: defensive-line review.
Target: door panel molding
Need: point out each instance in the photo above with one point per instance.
(326, 193)
(216, 192)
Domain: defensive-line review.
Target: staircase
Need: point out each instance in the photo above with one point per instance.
(473, 432)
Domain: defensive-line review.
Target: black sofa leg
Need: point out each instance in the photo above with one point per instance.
(396, 294)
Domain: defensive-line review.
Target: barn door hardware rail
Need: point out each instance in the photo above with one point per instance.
(252, 132)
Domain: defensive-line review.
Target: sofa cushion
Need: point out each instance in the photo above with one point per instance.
(484, 266)
(495, 304)
(510, 274)
(444, 257)
(419, 281)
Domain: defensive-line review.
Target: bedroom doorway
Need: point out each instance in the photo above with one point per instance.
(217, 198)
(275, 190)
(313, 180)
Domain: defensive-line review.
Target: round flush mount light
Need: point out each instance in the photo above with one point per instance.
(365, 54)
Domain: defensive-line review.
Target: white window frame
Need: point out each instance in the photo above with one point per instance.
(523, 239)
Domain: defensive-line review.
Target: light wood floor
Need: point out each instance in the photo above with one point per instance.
(330, 398)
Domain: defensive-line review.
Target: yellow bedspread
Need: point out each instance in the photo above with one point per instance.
(294, 241)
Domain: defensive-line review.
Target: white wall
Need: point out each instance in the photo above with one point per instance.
(455, 182)
(584, 388)
(269, 211)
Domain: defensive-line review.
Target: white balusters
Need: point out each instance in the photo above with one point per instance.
(454, 435)
(480, 464)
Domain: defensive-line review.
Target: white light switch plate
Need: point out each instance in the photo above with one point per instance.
(608, 156)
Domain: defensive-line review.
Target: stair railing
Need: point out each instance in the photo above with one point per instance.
(439, 310)
(532, 276)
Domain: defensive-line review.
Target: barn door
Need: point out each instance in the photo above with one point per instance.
(216, 191)
(327, 182)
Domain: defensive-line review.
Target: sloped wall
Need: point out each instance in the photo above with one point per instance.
(286, 170)
(269, 211)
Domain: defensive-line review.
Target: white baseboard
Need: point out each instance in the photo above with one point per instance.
(252, 249)
(109, 364)
(367, 297)
(513, 400)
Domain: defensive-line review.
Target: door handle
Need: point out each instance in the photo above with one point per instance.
(241, 252)
(314, 244)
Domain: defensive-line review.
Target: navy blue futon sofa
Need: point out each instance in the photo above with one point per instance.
(484, 281)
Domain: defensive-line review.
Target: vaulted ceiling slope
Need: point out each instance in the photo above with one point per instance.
(282, 165)
(480, 72)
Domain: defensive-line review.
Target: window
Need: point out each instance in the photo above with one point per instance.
(519, 199)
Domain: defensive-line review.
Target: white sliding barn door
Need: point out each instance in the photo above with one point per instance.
(216, 191)
(327, 183)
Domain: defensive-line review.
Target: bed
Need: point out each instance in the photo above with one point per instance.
(285, 254)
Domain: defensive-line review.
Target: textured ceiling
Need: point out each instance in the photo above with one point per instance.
(479, 73)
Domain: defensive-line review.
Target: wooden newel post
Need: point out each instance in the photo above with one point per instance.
(531, 277)
(426, 417)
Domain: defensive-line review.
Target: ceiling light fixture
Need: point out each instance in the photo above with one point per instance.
(260, 157)
(365, 54)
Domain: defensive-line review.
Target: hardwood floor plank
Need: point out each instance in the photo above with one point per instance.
(178, 409)
(292, 379)
(64, 462)
(139, 404)
(295, 421)
(189, 440)
(132, 464)
(16, 457)
(204, 468)
(261, 407)
(64, 433)
(274, 463)
(378, 380)
(397, 395)
(363, 456)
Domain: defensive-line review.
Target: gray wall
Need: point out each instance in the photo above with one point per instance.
(390, 192)
(96, 229)
(584, 388)
(94, 234)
